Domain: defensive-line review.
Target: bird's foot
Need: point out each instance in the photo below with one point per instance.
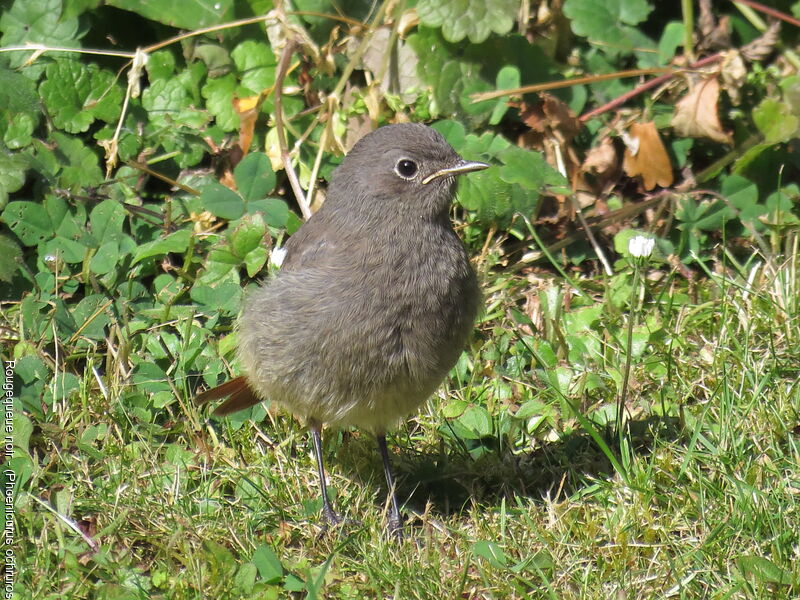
(394, 528)
(331, 520)
(329, 517)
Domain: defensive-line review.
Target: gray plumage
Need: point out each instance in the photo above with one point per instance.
(376, 296)
(375, 299)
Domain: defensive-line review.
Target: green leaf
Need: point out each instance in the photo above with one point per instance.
(776, 121)
(256, 64)
(174, 242)
(224, 256)
(23, 428)
(255, 260)
(507, 78)
(37, 22)
(523, 167)
(269, 565)
(491, 552)
(454, 408)
(168, 103)
(76, 94)
(245, 578)
(475, 19)
(743, 195)
(671, 39)
(477, 421)
(12, 258)
(150, 377)
(532, 408)
(275, 210)
(66, 249)
(215, 57)
(106, 221)
(160, 65)
(219, 95)
(497, 194)
(248, 235)
(65, 322)
(607, 22)
(764, 570)
(453, 132)
(225, 297)
(221, 262)
(451, 70)
(35, 222)
(81, 167)
(254, 176)
(90, 313)
(19, 132)
(105, 259)
(29, 221)
(222, 201)
(33, 374)
(17, 92)
(782, 201)
(182, 14)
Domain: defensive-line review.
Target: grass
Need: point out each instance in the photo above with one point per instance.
(705, 504)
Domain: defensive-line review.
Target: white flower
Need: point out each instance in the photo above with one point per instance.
(277, 256)
(641, 246)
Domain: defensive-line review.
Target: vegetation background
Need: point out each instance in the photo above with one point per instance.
(626, 421)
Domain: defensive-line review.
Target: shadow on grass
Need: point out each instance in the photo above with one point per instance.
(457, 472)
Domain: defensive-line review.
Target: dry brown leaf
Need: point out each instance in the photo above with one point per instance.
(712, 34)
(763, 45)
(645, 155)
(734, 74)
(357, 127)
(551, 116)
(601, 160)
(552, 128)
(696, 113)
(247, 109)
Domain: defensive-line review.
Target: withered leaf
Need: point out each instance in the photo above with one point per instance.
(696, 113)
(763, 45)
(551, 115)
(645, 155)
(734, 74)
(247, 109)
(601, 160)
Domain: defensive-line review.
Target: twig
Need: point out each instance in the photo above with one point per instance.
(333, 98)
(620, 100)
(688, 28)
(554, 85)
(589, 234)
(294, 181)
(769, 11)
(42, 48)
(204, 30)
(323, 141)
(69, 523)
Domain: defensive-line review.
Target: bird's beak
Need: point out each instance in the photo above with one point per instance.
(462, 166)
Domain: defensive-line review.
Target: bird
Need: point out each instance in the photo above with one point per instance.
(373, 303)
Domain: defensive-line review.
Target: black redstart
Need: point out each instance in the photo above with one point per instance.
(373, 303)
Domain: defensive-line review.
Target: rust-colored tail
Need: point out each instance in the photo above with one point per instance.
(241, 396)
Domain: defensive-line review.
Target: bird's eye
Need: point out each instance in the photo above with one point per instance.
(405, 168)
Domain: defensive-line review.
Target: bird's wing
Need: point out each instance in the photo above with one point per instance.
(312, 244)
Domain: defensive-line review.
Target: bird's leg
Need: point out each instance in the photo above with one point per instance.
(328, 514)
(395, 520)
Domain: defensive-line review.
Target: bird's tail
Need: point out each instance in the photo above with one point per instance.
(241, 396)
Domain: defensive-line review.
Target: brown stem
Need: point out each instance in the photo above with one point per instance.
(294, 181)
